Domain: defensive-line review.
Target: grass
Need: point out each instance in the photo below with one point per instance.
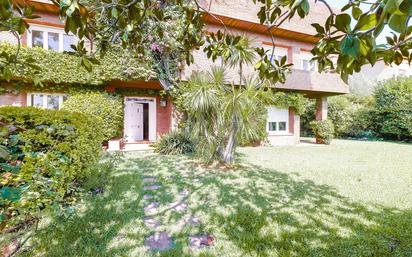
(299, 201)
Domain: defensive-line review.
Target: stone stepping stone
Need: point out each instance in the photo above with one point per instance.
(184, 192)
(152, 207)
(178, 206)
(200, 241)
(151, 222)
(159, 241)
(147, 197)
(191, 220)
(149, 180)
(152, 187)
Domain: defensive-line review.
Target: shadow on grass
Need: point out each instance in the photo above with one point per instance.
(250, 212)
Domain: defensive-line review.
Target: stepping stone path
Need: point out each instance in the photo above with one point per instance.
(152, 187)
(178, 206)
(147, 197)
(149, 180)
(152, 207)
(162, 241)
(192, 221)
(159, 241)
(200, 241)
(151, 222)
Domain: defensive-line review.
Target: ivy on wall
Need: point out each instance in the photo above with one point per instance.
(289, 99)
(62, 68)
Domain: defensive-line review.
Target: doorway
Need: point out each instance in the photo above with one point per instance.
(139, 119)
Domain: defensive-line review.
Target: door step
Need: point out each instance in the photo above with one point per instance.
(137, 147)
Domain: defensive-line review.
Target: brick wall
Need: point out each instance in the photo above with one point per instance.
(202, 63)
(12, 99)
(164, 117)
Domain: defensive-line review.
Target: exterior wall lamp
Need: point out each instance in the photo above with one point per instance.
(163, 102)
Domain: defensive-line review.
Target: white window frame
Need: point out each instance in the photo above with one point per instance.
(278, 53)
(277, 115)
(46, 30)
(307, 56)
(30, 103)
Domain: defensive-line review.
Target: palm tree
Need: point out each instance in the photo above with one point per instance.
(208, 103)
(240, 54)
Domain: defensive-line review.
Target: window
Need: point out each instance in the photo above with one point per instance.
(305, 61)
(278, 53)
(47, 101)
(49, 38)
(277, 121)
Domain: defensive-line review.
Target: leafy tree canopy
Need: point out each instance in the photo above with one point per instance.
(170, 30)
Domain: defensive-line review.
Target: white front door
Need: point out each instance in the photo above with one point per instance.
(133, 121)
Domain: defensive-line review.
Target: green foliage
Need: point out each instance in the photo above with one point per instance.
(175, 142)
(323, 130)
(105, 107)
(350, 115)
(392, 113)
(45, 155)
(212, 108)
(286, 100)
(63, 68)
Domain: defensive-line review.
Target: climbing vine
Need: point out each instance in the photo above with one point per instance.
(63, 68)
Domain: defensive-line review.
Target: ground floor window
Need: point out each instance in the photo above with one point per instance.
(47, 101)
(277, 121)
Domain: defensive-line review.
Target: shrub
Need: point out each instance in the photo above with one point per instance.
(175, 142)
(392, 112)
(45, 154)
(323, 130)
(107, 108)
(350, 115)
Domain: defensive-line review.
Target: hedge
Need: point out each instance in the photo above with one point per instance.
(103, 106)
(392, 112)
(44, 155)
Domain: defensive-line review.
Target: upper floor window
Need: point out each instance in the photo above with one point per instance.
(306, 61)
(45, 100)
(49, 38)
(278, 121)
(278, 53)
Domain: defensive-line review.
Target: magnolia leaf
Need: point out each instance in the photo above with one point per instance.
(392, 6)
(350, 46)
(406, 7)
(398, 22)
(356, 12)
(342, 22)
(366, 22)
(305, 6)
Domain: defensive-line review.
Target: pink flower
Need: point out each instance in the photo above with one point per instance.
(155, 47)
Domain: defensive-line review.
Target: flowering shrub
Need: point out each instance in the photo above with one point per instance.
(44, 154)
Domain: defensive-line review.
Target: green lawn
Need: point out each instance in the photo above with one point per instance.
(348, 199)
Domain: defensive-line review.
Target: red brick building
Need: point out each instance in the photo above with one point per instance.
(148, 117)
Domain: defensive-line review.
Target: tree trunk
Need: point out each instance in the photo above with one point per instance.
(228, 154)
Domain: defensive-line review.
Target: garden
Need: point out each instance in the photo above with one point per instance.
(345, 199)
(203, 192)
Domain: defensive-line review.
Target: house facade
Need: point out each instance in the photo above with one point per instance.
(149, 115)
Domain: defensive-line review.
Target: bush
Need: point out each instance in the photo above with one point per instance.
(323, 130)
(174, 142)
(350, 115)
(44, 156)
(392, 112)
(108, 108)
